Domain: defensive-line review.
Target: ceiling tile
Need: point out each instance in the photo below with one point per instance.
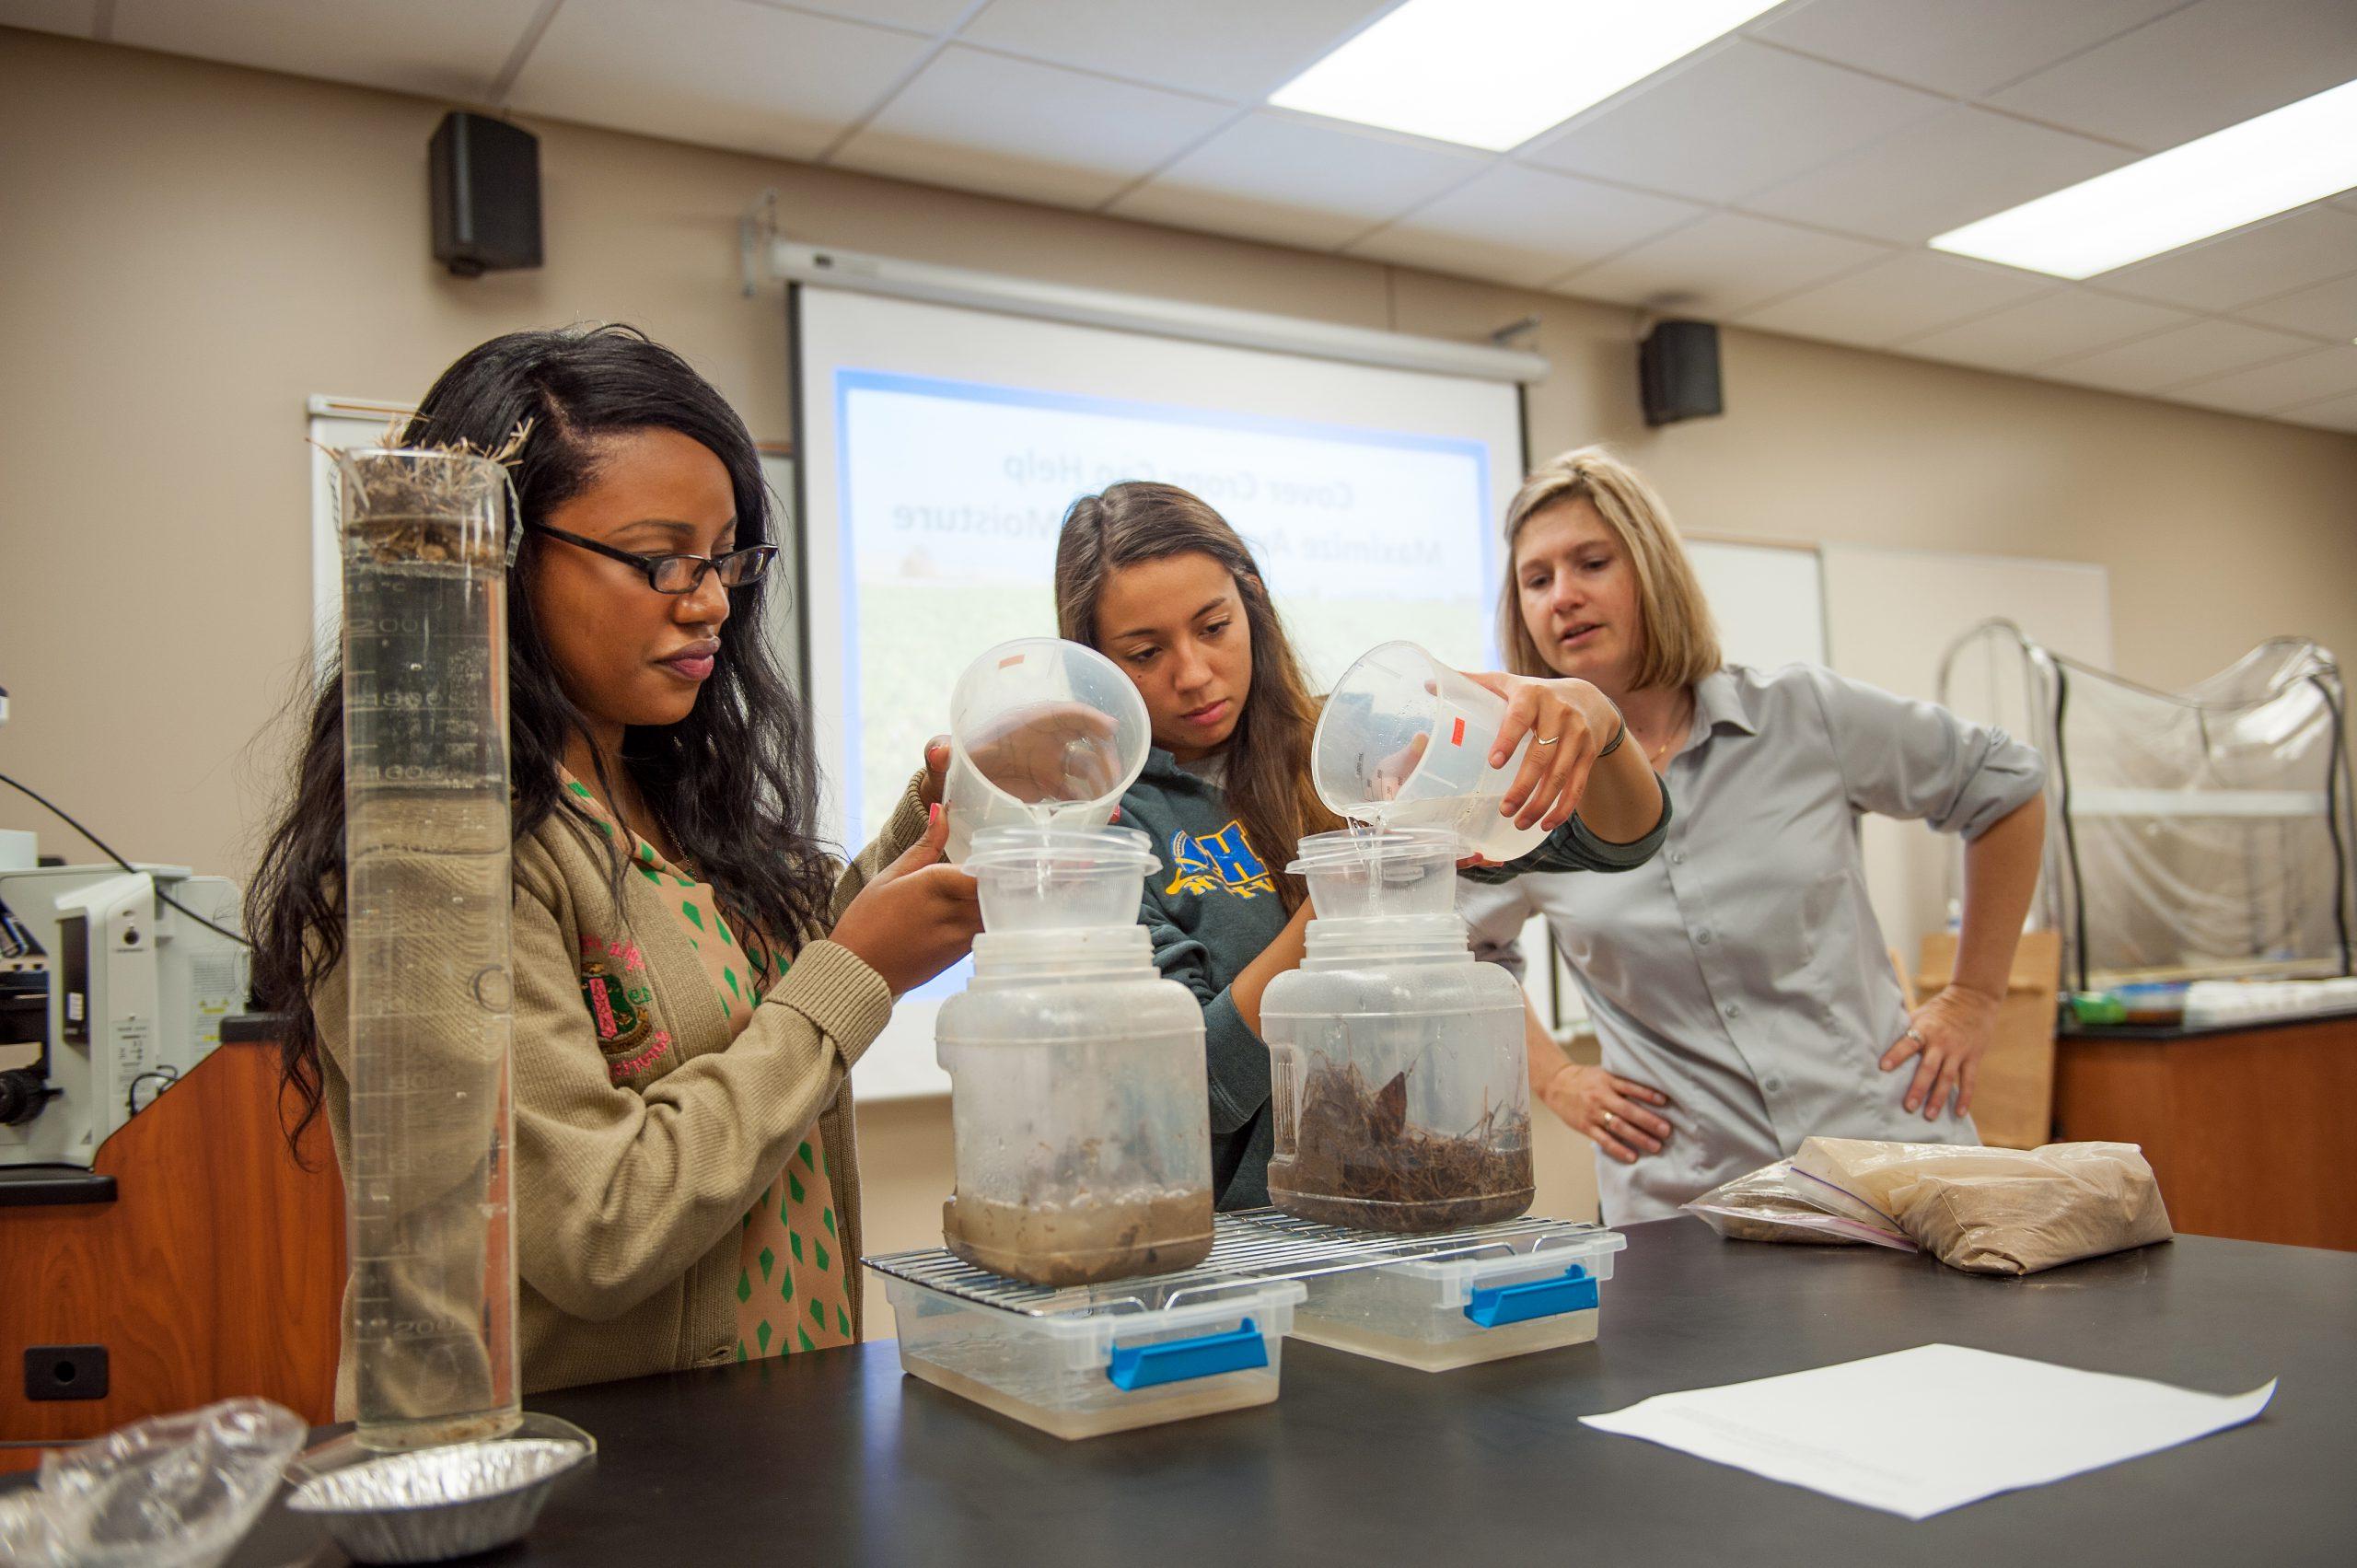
(2326, 373)
(1966, 49)
(1240, 50)
(1915, 291)
(2171, 358)
(451, 49)
(1297, 180)
(78, 18)
(1721, 265)
(985, 122)
(2327, 311)
(724, 73)
(919, 16)
(2335, 413)
(2301, 248)
(1938, 174)
(1734, 120)
(2195, 71)
(1523, 225)
(2039, 332)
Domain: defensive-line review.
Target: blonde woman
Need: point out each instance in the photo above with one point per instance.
(1739, 981)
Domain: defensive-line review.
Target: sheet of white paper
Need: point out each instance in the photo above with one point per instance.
(1920, 1430)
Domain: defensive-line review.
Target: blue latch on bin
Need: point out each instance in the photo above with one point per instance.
(1572, 1291)
(1175, 1361)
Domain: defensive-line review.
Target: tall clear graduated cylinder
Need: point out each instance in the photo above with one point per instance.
(433, 1294)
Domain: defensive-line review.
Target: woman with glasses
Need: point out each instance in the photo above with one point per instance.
(693, 976)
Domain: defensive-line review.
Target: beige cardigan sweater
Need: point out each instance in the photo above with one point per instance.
(628, 1199)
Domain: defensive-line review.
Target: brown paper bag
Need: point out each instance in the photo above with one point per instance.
(2001, 1211)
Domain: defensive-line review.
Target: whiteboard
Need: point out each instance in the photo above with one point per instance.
(1891, 614)
(1769, 600)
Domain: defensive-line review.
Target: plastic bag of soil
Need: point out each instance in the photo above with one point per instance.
(1776, 1204)
(2000, 1211)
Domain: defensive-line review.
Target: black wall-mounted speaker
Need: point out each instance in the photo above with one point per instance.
(1677, 366)
(486, 180)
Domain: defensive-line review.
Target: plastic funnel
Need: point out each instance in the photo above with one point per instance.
(1041, 732)
(1059, 878)
(1404, 742)
(1362, 875)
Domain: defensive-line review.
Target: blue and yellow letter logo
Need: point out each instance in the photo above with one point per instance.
(1201, 863)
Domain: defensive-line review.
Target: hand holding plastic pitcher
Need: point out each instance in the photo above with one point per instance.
(1569, 722)
(918, 917)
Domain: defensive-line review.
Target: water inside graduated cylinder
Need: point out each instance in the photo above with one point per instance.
(428, 890)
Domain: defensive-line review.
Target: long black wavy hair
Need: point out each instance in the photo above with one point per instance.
(731, 781)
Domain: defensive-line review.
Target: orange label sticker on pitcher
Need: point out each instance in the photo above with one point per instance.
(1457, 732)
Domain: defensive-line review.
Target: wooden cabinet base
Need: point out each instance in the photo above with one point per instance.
(218, 1270)
(2249, 1133)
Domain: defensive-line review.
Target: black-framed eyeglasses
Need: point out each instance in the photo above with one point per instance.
(679, 574)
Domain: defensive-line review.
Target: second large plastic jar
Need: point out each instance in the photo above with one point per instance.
(1398, 1075)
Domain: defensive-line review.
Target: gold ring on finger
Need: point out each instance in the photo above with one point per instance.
(1608, 1120)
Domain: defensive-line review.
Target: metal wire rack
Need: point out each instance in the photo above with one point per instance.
(1249, 1248)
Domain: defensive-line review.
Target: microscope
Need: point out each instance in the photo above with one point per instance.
(107, 994)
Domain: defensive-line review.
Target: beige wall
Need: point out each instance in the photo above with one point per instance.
(187, 251)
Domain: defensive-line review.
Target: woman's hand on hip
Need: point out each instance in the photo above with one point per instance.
(1946, 1037)
(1610, 1110)
(917, 918)
(1569, 722)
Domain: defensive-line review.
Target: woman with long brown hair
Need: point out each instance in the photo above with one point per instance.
(694, 974)
(1155, 579)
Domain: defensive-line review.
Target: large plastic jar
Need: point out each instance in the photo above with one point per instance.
(1078, 1103)
(1401, 1093)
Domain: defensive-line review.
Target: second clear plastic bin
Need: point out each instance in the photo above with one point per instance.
(1107, 1360)
(1512, 1297)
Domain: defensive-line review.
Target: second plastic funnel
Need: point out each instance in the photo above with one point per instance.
(1041, 732)
(1404, 742)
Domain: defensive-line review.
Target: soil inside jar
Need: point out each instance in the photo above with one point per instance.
(1357, 1161)
(1115, 1237)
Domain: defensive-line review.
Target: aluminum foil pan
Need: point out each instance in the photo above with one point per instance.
(438, 1504)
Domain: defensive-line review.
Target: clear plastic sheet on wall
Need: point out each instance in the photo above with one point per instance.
(2196, 835)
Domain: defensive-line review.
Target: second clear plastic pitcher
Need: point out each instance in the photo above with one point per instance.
(1404, 741)
(1041, 732)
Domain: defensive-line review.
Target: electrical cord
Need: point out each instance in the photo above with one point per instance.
(108, 850)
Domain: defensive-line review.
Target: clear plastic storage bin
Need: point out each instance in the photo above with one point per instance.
(1516, 1296)
(1103, 1360)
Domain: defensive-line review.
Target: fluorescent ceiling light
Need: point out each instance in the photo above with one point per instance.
(1493, 74)
(2283, 159)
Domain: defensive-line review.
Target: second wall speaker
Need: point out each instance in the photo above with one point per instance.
(486, 188)
(1677, 366)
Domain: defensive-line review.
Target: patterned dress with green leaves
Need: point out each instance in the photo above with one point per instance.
(790, 1291)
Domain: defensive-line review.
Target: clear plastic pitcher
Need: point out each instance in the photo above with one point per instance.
(1041, 732)
(1404, 741)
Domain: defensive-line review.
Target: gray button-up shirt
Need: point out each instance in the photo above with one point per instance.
(1742, 971)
